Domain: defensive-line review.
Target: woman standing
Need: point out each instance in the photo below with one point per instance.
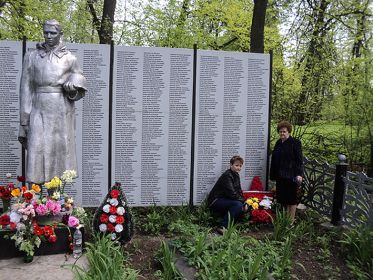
(287, 168)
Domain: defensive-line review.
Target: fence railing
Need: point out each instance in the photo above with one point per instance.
(345, 197)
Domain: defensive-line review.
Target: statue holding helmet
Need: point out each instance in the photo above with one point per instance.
(51, 82)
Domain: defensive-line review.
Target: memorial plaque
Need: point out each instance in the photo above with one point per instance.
(231, 116)
(152, 124)
(92, 125)
(10, 75)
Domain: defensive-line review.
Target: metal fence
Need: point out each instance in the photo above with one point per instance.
(345, 197)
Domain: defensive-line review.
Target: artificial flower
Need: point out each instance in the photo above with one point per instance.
(13, 226)
(119, 228)
(112, 218)
(52, 238)
(28, 196)
(103, 227)
(41, 210)
(114, 193)
(21, 179)
(114, 202)
(73, 222)
(106, 208)
(38, 230)
(48, 231)
(23, 189)
(9, 175)
(56, 195)
(53, 184)
(69, 175)
(121, 210)
(110, 227)
(4, 220)
(104, 218)
(113, 210)
(15, 217)
(119, 220)
(255, 205)
(36, 188)
(16, 192)
(113, 236)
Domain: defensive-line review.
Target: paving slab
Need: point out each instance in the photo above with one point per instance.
(53, 267)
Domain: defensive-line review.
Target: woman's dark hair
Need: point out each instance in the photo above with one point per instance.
(285, 124)
(236, 158)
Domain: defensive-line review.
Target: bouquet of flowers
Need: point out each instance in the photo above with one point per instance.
(7, 189)
(30, 204)
(260, 209)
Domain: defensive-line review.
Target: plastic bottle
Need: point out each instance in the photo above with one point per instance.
(78, 243)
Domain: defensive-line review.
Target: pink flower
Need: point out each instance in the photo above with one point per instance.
(42, 210)
(73, 222)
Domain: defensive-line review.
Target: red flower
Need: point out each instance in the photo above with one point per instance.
(4, 220)
(10, 187)
(27, 196)
(23, 189)
(5, 195)
(38, 230)
(113, 210)
(115, 193)
(104, 218)
(21, 179)
(52, 238)
(110, 228)
(71, 247)
(261, 216)
(13, 226)
(48, 231)
(70, 238)
(120, 220)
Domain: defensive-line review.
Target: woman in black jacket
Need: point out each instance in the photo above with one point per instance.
(287, 168)
(225, 198)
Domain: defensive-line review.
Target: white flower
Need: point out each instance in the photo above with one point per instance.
(112, 218)
(21, 226)
(118, 228)
(114, 201)
(68, 176)
(56, 195)
(113, 236)
(121, 211)
(9, 175)
(15, 217)
(266, 202)
(102, 227)
(106, 208)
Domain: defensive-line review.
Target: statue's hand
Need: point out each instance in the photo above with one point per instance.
(22, 135)
(69, 87)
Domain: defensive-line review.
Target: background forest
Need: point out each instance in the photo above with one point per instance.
(322, 53)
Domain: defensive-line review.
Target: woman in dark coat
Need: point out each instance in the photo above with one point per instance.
(287, 168)
(225, 198)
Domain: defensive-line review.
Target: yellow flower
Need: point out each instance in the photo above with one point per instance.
(36, 188)
(256, 199)
(249, 201)
(54, 183)
(255, 205)
(16, 192)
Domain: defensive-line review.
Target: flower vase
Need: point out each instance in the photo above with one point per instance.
(27, 258)
(6, 205)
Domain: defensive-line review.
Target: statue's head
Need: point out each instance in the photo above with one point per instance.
(52, 31)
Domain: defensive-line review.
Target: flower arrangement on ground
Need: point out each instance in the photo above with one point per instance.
(260, 209)
(113, 216)
(7, 190)
(28, 205)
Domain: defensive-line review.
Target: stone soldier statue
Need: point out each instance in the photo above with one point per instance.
(51, 82)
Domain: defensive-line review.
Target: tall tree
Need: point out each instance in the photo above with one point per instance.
(257, 26)
(104, 26)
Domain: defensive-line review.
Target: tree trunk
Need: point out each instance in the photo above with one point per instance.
(257, 26)
(104, 26)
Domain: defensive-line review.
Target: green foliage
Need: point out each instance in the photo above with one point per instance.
(282, 225)
(106, 260)
(166, 257)
(357, 244)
